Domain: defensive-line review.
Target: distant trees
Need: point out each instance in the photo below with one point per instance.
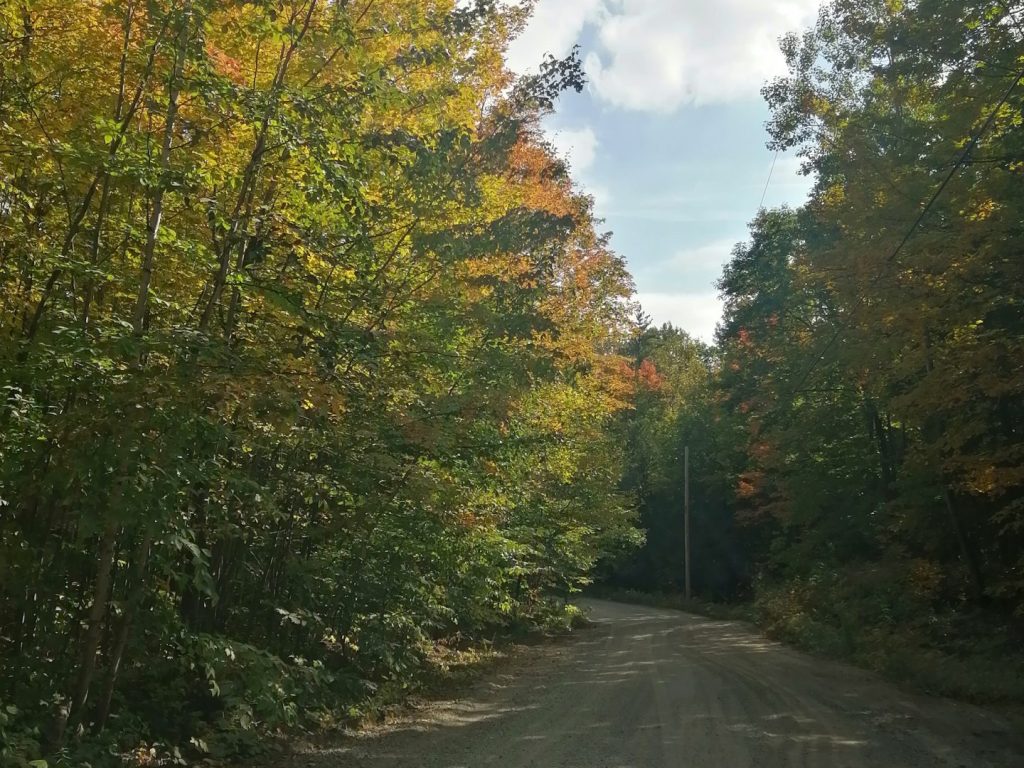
(675, 406)
(862, 414)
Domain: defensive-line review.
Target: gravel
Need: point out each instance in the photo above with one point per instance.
(651, 688)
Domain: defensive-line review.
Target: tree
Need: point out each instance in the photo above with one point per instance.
(308, 346)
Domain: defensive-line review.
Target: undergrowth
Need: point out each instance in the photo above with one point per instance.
(252, 703)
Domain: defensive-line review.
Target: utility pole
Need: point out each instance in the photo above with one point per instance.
(686, 515)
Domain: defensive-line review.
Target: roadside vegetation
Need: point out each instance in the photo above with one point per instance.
(856, 431)
(319, 375)
(308, 353)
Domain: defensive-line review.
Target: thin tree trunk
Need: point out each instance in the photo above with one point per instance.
(94, 631)
(236, 294)
(250, 174)
(157, 202)
(934, 428)
(28, 34)
(138, 586)
(968, 554)
(105, 193)
(75, 225)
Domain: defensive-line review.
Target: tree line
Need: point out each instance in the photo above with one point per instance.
(310, 360)
(316, 364)
(858, 427)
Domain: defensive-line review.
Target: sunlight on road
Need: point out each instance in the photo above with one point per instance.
(647, 688)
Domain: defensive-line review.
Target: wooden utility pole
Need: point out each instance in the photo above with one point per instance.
(686, 515)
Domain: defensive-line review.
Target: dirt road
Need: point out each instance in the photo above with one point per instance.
(649, 688)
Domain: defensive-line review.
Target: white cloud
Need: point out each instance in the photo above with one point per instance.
(714, 254)
(578, 146)
(693, 268)
(554, 28)
(657, 55)
(639, 209)
(695, 313)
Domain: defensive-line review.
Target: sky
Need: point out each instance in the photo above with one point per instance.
(668, 135)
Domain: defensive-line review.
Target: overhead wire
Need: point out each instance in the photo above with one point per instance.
(771, 172)
(957, 165)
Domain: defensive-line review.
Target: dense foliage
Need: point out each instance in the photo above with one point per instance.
(875, 338)
(308, 348)
(675, 408)
(866, 396)
(315, 362)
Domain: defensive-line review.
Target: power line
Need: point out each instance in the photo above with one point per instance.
(770, 173)
(920, 218)
(957, 165)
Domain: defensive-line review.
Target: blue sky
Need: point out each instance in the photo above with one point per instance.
(669, 134)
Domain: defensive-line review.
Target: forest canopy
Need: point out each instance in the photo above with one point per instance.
(319, 369)
(858, 427)
(309, 357)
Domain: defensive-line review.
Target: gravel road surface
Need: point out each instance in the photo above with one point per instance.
(650, 688)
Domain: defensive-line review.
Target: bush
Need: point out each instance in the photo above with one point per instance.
(888, 620)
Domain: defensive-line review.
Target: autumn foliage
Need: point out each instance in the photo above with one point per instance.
(307, 351)
(856, 432)
(871, 348)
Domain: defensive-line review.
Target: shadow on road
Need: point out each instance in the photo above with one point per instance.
(645, 688)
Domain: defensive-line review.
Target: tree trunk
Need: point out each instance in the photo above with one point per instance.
(138, 586)
(94, 631)
(243, 205)
(157, 202)
(75, 225)
(968, 554)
